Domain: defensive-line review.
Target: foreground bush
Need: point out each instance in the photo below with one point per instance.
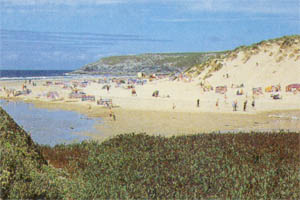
(24, 173)
(240, 166)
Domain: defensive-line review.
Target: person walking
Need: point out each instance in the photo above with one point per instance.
(198, 103)
(245, 105)
(234, 105)
(253, 102)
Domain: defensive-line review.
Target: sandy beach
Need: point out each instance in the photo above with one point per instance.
(173, 112)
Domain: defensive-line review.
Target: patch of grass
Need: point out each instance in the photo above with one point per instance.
(238, 166)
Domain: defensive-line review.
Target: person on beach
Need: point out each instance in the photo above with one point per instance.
(133, 92)
(245, 105)
(217, 104)
(112, 114)
(253, 103)
(198, 103)
(234, 105)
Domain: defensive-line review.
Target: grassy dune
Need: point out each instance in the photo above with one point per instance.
(209, 166)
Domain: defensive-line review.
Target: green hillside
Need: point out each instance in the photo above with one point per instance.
(148, 63)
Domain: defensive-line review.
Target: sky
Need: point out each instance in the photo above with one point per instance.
(67, 34)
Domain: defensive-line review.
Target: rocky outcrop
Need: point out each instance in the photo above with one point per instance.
(147, 63)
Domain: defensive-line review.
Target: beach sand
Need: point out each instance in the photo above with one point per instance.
(174, 112)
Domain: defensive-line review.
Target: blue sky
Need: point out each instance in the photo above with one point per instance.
(66, 34)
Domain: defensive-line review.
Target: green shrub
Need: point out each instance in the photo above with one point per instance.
(213, 166)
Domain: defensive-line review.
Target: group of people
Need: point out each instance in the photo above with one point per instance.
(234, 104)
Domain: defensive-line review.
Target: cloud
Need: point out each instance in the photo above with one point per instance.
(58, 2)
(226, 19)
(14, 39)
(19, 47)
(25, 6)
(253, 6)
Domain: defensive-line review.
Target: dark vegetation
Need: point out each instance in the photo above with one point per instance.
(24, 173)
(139, 166)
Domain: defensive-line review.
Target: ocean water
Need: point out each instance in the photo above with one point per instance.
(32, 74)
(7, 75)
(50, 127)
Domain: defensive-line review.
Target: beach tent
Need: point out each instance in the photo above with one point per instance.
(273, 88)
(239, 92)
(76, 95)
(103, 81)
(268, 89)
(131, 81)
(207, 88)
(105, 87)
(141, 82)
(66, 86)
(52, 95)
(257, 91)
(276, 96)
(155, 93)
(83, 84)
(293, 87)
(48, 83)
(58, 83)
(104, 102)
(23, 92)
(88, 98)
(141, 74)
(221, 89)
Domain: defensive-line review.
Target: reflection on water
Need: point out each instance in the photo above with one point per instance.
(49, 127)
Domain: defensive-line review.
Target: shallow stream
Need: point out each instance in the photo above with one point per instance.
(49, 127)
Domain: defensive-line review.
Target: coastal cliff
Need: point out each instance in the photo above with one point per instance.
(148, 63)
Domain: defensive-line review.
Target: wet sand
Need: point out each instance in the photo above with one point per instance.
(172, 123)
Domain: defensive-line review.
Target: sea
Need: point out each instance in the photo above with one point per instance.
(47, 127)
(33, 74)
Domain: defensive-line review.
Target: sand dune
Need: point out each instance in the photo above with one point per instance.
(266, 63)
